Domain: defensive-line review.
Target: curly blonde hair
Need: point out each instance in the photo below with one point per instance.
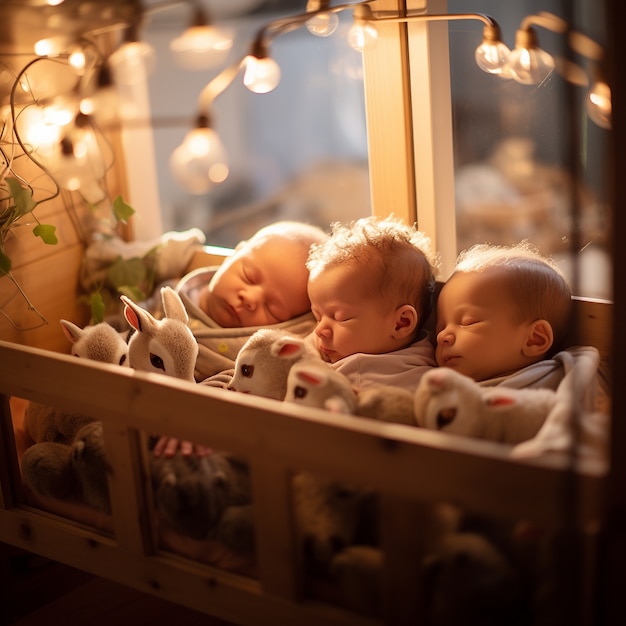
(398, 257)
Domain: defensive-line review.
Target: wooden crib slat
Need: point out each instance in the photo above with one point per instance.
(129, 500)
(277, 548)
(9, 469)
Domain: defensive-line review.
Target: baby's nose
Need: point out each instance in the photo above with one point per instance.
(445, 337)
(321, 329)
(251, 297)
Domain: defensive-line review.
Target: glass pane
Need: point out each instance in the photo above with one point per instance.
(299, 152)
(529, 157)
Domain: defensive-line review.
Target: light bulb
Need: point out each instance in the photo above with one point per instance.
(51, 46)
(199, 162)
(528, 64)
(61, 110)
(132, 62)
(322, 24)
(599, 106)
(261, 75)
(76, 168)
(77, 59)
(201, 47)
(37, 132)
(362, 35)
(492, 55)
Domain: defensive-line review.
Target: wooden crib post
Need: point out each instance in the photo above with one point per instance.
(278, 557)
(407, 528)
(9, 470)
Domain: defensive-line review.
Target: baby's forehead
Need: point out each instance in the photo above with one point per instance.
(490, 285)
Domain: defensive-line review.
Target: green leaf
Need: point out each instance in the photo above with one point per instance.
(132, 292)
(122, 210)
(22, 197)
(97, 307)
(126, 272)
(5, 263)
(47, 232)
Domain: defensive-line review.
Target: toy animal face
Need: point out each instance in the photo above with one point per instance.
(164, 346)
(263, 363)
(314, 383)
(100, 342)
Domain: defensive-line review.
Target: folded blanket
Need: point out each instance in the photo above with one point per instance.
(578, 424)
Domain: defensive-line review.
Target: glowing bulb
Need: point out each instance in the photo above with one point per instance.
(200, 161)
(492, 56)
(201, 47)
(51, 46)
(362, 35)
(61, 110)
(77, 59)
(528, 64)
(599, 106)
(132, 62)
(75, 167)
(322, 24)
(261, 75)
(36, 131)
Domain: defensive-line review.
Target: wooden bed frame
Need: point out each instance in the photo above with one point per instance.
(410, 468)
(397, 461)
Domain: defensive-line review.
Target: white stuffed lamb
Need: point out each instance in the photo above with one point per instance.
(448, 401)
(313, 383)
(100, 342)
(165, 346)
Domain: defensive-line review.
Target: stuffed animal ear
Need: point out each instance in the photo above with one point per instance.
(173, 305)
(312, 378)
(135, 315)
(287, 347)
(71, 331)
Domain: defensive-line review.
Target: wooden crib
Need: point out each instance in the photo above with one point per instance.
(408, 467)
(411, 469)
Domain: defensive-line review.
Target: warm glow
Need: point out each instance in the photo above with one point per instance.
(362, 35)
(201, 47)
(51, 46)
(492, 56)
(200, 161)
(261, 75)
(599, 105)
(132, 62)
(324, 24)
(529, 66)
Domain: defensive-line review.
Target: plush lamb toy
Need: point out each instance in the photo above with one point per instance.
(67, 459)
(313, 383)
(264, 361)
(100, 342)
(448, 401)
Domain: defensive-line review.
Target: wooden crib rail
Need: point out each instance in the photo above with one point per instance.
(408, 466)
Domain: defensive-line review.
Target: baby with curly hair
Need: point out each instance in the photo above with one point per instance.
(371, 287)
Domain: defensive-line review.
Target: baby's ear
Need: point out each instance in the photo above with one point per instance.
(539, 340)
(406, 321)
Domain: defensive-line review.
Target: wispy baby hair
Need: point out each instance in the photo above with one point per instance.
(398, 257)
(537, 285)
